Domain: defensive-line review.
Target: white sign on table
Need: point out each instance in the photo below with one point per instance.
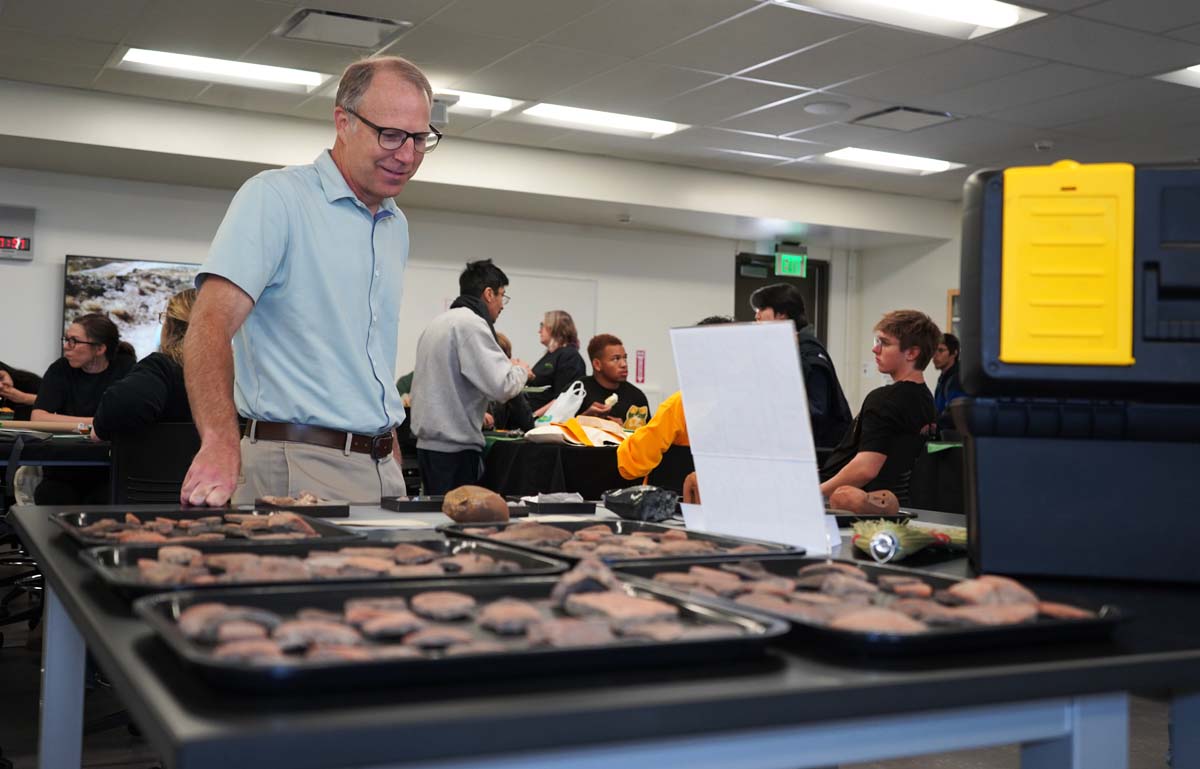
(748, 425)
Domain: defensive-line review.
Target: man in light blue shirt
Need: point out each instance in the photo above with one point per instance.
(304, 277)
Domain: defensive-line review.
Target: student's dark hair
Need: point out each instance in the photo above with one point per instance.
(479, 276)
(784, 299)
(951, 342)
(912, 328)
(599, 342)
(101, 330)
(713, 320)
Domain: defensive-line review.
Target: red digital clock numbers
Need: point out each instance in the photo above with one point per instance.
(10, 243)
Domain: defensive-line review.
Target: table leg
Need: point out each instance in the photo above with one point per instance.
(60, 743)
(1097, 737)
(1184, 727)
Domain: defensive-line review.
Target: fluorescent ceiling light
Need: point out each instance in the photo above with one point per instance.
(964, 19)
(479, 102)
(607, 122)
(1189, 76)
(221, 70)
(889, 161)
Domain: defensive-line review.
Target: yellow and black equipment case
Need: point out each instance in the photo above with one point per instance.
(1080, 307)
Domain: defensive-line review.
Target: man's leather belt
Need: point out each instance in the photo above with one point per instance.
(378, 446)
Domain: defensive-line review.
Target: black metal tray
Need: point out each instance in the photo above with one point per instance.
(433, 504)
(162, 610)
(329, 508)
(938, 640)
(845, 518)
(72, 521)
(622, 526)
(117, 564)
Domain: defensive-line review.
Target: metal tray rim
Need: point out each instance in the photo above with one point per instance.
(326, 531)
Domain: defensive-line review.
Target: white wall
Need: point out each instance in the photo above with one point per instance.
(908, 277)
(644, 282)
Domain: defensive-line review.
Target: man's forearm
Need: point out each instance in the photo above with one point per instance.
(857, 473)
(208, 374)
(40, 415)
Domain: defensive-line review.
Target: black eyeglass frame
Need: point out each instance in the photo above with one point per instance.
(72, 342)
(424, 135)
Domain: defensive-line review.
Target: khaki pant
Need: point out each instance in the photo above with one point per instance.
(283, 468)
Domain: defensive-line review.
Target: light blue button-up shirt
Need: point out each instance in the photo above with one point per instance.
(326, 276)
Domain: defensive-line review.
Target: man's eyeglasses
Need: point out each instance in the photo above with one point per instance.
(505, 299)
(69, 342)
(881, 343)
(393, 139)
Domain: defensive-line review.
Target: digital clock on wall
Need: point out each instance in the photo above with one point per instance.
(12, 243)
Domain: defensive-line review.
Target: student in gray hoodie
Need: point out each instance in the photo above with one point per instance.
(459, 368)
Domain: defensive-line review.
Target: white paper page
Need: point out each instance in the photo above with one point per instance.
(747, 417)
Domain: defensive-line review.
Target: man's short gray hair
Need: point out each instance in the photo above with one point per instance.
(357, 79)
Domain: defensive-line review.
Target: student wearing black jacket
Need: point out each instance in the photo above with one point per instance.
(153, 391)
(561, 365)
(18, 390)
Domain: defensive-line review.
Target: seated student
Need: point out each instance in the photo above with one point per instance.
(18, 390)
(153, 391)
(949, 387)
(886, 436)
(827, 408)
(94, 357)
(643, 451)
(610, 376)
(513, 414)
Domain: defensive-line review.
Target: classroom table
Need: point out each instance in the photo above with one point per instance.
(523, 467)
(17, 449)
(1066, 704)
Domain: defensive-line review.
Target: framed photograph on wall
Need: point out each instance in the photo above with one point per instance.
(953, 318)
(133, 292)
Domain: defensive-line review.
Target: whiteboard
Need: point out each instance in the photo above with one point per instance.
(429, 290)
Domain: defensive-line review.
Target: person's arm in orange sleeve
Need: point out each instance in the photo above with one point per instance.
(643, 451)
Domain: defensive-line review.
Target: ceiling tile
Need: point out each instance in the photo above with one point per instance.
(414, 11)
(538, 71)
(1024, 87)
(301, 54)
(49, 72)
(637, 27)
(461, 123)
(752, 38)
(721, 100)
(513, 132)
(1146, 15)
(1135, 124)
(840, 135)
(791, 117)
(447, 56)
(253, 99)
(316, 108)
(219, 28)
(860, 53)
(148, 86)
(1129, 94)
(714, 139)
(1190, 34)
(637, 88)
(962, 141)
(105, 22)
(1099, 46)
(40, 46)
(1055, 5)
(943, 71)
(524, 19)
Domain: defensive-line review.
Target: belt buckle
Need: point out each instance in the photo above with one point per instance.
(377, 452)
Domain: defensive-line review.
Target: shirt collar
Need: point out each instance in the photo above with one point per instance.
(335, 187)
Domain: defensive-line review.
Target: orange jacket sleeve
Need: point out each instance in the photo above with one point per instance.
(641, 452)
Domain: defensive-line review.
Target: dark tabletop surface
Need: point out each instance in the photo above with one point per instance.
(72, 449)
(194, 725)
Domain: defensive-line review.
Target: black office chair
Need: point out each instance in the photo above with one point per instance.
(148, 467)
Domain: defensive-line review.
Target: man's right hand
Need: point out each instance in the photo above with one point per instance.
(213, 476)
(597, 409)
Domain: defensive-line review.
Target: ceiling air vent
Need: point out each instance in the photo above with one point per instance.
(903, 119)
(334, 28)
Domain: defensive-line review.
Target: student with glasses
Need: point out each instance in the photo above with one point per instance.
(885, 438)
(304, 280)
(94, 357)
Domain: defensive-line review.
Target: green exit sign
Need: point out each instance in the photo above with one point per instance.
(793, 263)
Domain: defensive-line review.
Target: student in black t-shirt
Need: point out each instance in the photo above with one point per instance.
(93, 358)
(18, 390)
(513, 414)
(610, 375)
(154, 390)
(887, 435)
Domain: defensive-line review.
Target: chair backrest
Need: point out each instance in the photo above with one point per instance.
(148, 467)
